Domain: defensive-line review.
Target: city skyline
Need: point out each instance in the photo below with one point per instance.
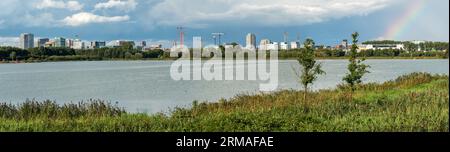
(108, 20)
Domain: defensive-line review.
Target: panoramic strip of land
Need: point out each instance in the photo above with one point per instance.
(128, 51)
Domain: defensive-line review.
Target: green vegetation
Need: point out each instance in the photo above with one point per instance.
(416, 102)
(369, 54)
(310, 68)
(42, 54)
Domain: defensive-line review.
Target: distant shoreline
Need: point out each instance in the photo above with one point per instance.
(282, 59)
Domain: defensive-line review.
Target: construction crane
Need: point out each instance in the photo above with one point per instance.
(181, 31)
(285, 37)
(217, 36)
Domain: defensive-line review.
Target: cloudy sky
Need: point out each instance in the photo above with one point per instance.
(326, 21)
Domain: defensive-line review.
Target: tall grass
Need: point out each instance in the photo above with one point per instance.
(416, 102)
(32, 109)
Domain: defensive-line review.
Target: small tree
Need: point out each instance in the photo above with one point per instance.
(356, 68)
(310, 67)
(13, 56)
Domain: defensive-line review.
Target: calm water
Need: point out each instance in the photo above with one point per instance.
(146, 86)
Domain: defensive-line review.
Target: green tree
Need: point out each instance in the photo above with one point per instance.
(138, 56)
(128, 55)
(411, 47)
(356, 69)
(310, 67)
(13, 55)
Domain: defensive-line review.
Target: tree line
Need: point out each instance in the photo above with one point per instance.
(426, 46)
(324, 53)
(64, 53)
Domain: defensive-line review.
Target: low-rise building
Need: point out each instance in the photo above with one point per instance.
(381, 46)
(273, 46)
(295, 45)
(284, 46)
(97, 44)
(41, 42)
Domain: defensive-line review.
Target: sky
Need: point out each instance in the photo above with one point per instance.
(326, 21)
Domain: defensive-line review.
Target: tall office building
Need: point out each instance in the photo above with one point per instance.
(143, 44)
(251, 40)
(60, 42)
(41, 42)
(26, 40)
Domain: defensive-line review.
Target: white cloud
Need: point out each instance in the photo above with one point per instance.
(84, 18)
(263, 12)
(70, 5)
(9, 41)
(127, 5)
(36, 20)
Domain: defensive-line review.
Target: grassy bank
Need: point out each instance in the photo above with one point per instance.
(416, 102)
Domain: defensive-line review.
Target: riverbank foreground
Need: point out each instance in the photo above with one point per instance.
(417, 102)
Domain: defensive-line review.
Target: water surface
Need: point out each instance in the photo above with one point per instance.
(146, 86)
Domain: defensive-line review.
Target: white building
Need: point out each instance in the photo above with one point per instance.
(417, 42)
(284, 46)
(197, 42)
(295, 45)
(264, 43)
(78, 44)
(273, 46)
(250, 40)
(155, 46)
(381, 46)
(26, 40)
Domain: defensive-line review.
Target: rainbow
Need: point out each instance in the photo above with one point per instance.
(397, 28)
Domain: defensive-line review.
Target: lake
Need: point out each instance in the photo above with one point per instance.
(146, 86)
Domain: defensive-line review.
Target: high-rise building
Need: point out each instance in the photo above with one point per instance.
(41, 42)
(60, 42)
(344, 44)
(78, 44)
(251, 40)
(69, 43)
(26, 40)
(143, 44)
